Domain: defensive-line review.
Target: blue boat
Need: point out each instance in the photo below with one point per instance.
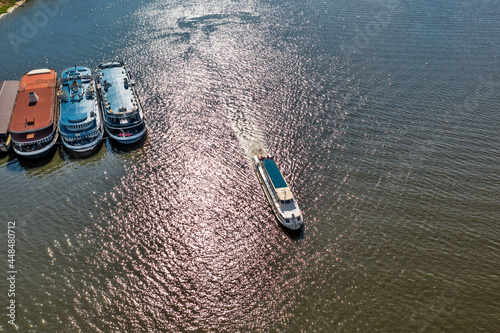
(80, 122)
(122, 111)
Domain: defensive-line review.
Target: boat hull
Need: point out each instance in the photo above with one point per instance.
(84, 150)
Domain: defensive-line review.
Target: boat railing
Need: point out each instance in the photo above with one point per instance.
(87, 78)
(123, 114)
(77, 139)
(88, 131)
(270, 189)
(123, 122)
(80, 127)
(35, 143)
(137, 127)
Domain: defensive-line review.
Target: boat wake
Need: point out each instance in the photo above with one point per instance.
(247, 132)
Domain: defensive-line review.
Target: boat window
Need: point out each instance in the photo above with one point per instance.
(298, 218)
(287, 221)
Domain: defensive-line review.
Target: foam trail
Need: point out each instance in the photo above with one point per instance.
(247, 131)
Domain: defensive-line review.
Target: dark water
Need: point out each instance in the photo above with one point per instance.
(384, 116)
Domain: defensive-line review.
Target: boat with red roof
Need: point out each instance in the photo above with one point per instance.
(33, 126)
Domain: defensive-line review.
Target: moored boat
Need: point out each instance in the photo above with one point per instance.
(8, 93)
(80, 122)
(122, 111)
(278, 193)
(33, 126)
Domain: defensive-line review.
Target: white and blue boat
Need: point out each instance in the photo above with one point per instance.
(122, 111)
(278, 193)
(80, 120)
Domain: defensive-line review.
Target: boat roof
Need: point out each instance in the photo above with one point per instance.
(73, 112)
(29, 116)
(8, 92)
(119, 98)
(76, 69)
(111, 64)
(39, 71)
(274, 173)
(284, 193)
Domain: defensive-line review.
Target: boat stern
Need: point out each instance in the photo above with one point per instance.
(127, 137)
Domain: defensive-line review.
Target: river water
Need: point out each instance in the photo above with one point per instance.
(384, 118)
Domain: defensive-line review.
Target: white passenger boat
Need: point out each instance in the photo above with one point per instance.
(123, 116)
(278, 193)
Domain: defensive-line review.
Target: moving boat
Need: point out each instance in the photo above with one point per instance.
(33, 126)
(80, 122)
(122, 111)
(278, 193)
(8, 92)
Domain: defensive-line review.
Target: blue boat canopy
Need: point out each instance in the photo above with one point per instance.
(274, 173)
(75, 106)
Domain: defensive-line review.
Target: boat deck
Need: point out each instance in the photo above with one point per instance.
(274, 173)
(74, 112)
(29, 116)
(118, 96)
(8, 93)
